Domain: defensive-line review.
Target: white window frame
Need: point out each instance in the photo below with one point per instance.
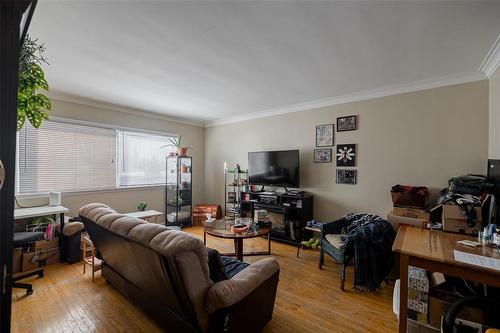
(117, 157)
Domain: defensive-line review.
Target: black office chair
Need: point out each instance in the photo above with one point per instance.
(490, 307)
(24, 239)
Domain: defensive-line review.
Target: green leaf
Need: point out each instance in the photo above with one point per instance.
(43, 101)
(21, 118)
(37, 71)
(35, 119)
(44, 85)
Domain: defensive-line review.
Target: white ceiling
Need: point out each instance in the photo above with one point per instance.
(209, 61)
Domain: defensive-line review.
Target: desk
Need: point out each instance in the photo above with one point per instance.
(147, 215)
(25, 213)
(433, 250)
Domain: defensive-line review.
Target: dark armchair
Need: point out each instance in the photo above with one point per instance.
(332, 244)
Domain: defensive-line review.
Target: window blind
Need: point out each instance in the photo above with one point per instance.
(66, 157)
(142, 158)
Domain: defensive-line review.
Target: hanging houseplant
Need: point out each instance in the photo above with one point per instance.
(31, 104)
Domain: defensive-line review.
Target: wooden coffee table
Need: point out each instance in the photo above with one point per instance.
(218, 229)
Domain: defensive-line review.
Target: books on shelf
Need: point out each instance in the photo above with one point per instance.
(260, 215)
(234, 210)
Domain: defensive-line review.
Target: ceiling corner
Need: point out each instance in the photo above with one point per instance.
(492, 60)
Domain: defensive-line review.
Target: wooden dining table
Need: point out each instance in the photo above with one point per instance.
(434, 250)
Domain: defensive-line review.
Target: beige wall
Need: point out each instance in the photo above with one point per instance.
(126, 200)
(494, 116)
(420, 138)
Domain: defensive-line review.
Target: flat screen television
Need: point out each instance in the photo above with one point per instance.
(274, 168)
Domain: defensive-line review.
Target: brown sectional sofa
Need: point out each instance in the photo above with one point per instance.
(166, 273)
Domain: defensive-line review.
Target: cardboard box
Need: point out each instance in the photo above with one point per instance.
(451, 211)
(53, 258)
(17, 257)
(461, 227)
(418, 294)
(455, 221)
(44, 245)
(47, 250)
(396, 221)
(28, 263)
(415, 327)
(441, 297)
(413, 212)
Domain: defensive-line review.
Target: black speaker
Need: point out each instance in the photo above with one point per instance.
(494, 177)
(72, 247)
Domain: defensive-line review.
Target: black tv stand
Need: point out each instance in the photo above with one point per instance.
(294, 193)
(288, 213)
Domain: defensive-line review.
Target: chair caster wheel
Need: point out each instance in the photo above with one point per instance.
(29, 291)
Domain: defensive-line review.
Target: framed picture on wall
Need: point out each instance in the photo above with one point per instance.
(323, 155)
(347, 123)
(346, 155)
(324, 135)
(346, 176)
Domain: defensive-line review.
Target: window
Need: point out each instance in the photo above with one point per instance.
(67, 157)
(142, 158)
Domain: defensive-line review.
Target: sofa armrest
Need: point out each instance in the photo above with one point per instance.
(226, 293)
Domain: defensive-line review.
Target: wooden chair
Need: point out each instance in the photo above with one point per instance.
(89, 257)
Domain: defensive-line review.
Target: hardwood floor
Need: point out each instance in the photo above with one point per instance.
(308, 300)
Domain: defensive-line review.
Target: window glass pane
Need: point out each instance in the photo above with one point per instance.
(142, 158)
(66, 157)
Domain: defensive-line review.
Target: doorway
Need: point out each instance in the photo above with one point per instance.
(15, 17)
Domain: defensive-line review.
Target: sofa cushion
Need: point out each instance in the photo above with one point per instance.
(335, 240)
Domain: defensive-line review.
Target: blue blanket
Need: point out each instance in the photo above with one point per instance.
(371, 238)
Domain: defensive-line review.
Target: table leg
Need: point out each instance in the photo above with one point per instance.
(84, 250)
(403, 292)
(204, 238)
(238, 248)
(61, 239)
(269, 243)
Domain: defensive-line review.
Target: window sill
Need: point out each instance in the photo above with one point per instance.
(111, 190)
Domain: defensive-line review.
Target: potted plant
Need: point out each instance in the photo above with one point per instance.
(31, 104)
(142, 206)
(176, 142)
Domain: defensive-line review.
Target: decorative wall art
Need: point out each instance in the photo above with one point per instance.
(346, 176)
(323, 155)
(324, 135)
(346, 155)
(346, 123)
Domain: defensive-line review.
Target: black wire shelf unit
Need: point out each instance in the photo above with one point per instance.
(179, 191)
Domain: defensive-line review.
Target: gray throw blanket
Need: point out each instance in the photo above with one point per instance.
(371, 237)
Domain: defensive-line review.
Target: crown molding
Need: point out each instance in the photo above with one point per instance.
(492, 59)
(348, 98)
(324, 102)
(114, 107)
